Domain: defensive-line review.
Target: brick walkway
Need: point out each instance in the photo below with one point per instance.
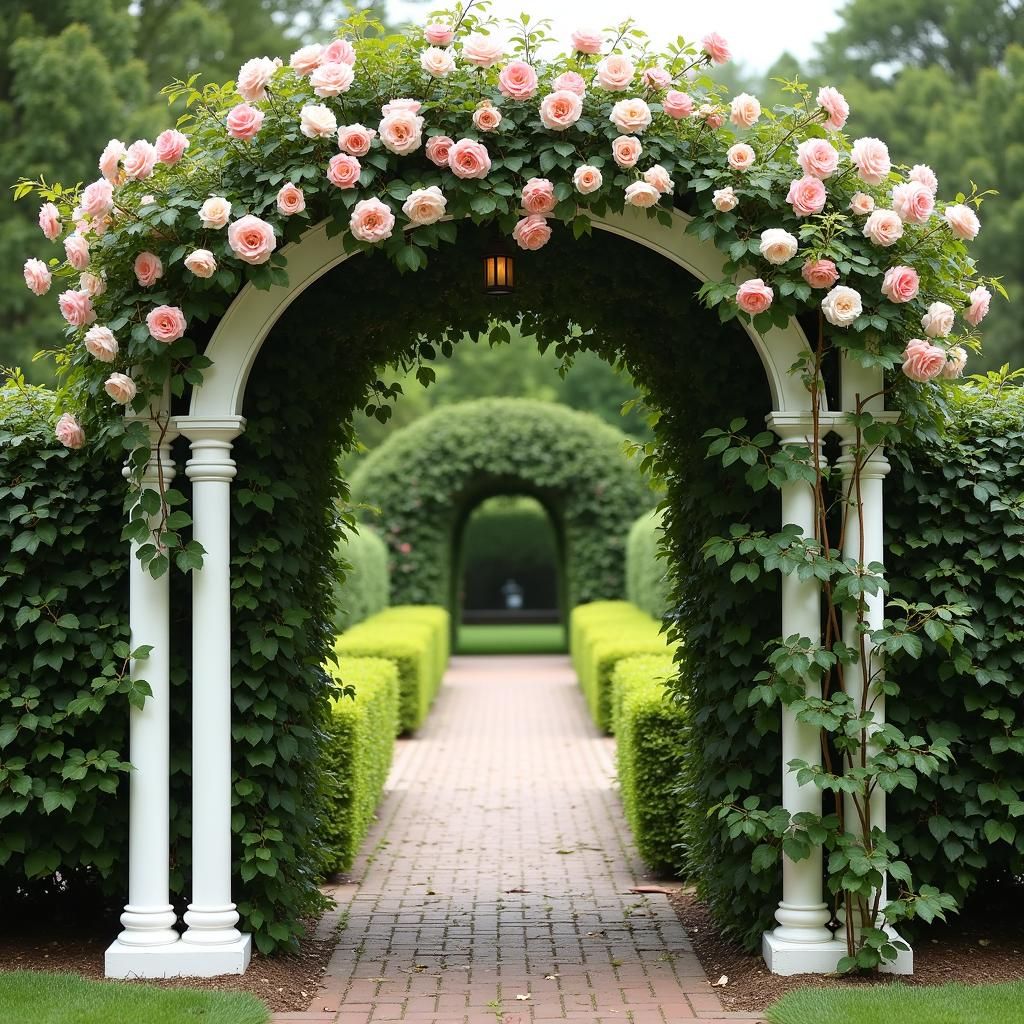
(494, 888)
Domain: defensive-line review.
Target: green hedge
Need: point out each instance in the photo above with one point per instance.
(646, 585)
(440, 623)
(367, 586)
(650, 733)
(357, 755)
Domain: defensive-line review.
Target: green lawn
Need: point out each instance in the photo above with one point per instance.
(903, 1004)
(38, 997)
(548, 639)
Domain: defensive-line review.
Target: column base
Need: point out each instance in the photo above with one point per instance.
(177, 960)
(786, 957)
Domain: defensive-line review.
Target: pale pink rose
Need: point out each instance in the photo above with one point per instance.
(883, 227)
(436, 62)
(244, 122)
(817, 157)
(656, 77)
(712, 115)
(252, 240)
(570, 81)
(979, 302)
(660, 179)
(469, 159)
(202, 263)
(560, 110)
(716, 48)
(170, 146)
(819, 273)
(214, 213)
(253, 77)
(343, 171)
(938, 320)
(807, 196)
(49, 220)
(147, 200)
(871, 158)
(92, 284)
(166, 323)
(642, 194)
(962, 221)
(587, 179)
(402, 103)
(76, 308)
(724, 199)
(754, 296)
(101, 344)
(532, 232)
(97, 198)
(615, 73)
(677, 104)
(955, 363)
(69, 432)
(438, 147)
(842, 306)
(290, 200)
(483, 51)
(518, 80)
(37, 277)
(76, 248)
(121, 388)
(778, 246)
(745, 110)
(306, 59)
(626, 150)
(139, 160)
(538, 196)
(425, 205)
(439, 33)
(587, 40)
(486, 117)
(401, 132)
(631, 117)
(862, 203)
(926, 176)
(740, 156)
(148, 269)
(371, 221)
(835, 105)
(900, 284)
(355, 140)
(332, 78)
(341, 51)
(923, 361)
(110, 160)
(913, 202)
(317, 121)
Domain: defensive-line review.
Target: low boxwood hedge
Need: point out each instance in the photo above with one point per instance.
(440, 623)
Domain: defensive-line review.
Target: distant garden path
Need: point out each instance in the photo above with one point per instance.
(501, 867)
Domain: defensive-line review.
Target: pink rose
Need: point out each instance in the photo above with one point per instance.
(483, 51)
(425, 205)
(254, 76)
(538, 196)
(97, 199)
(631, 117)
(807, 196)
(900, 284)
(355, 140)
(862, 203)
(677, 104)
(532, 232)
(937, 322)
(587, 179)
(660, 179)
(956, 362)
(92, 285)
(166, 323)
(371, 221)
(341, 51)
(913, 202)
(244, 122)
(332, 78)
(121, 388)
(343, 171)
(76, 249)
(778, 246)
(962, 221)
(626, 150)
(570, 81)
(436, 62)
(412, 106)
(615, 73)
(76, 308)
(923, 361)
(871, 158)
(560, 110)
(979, 302)
(883, 227)
(69, 432)
(926, 176)
(724, 199)
(740, 157)
(306, 59)
(819, 273)
(655, 77)
(842, 306)
(49, 220)
(214, 213)
(711, 114)
(754, 296)
(290, 200)
(469, 159)
(518, 80)
(438, 33)
(202, 263)
(817, 157)
(101, 344)
(437, 148)
(745, 110)
(586, 40)
(317, 121)
(252, 240)
(170, 146)
(486, 117)
(716, 48)
(110, 160)
(37, 277)
(834, 104)
(148, 269)
(139, 160)
(401, 132)
(642, 194)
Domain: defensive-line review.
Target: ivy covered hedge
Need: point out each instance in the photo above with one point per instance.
(646, 586)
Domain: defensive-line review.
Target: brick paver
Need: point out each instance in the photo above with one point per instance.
(494, 888)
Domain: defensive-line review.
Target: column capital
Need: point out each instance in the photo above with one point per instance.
(210, 428)
(211, 439)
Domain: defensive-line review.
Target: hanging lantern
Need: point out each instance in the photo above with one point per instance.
(499, 270)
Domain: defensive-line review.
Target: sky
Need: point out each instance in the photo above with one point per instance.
(756, 36)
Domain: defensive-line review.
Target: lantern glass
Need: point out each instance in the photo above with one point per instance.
(499, 273)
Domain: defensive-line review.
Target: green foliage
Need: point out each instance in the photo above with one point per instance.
(367, 587)
(437, 619)
(650, 732)
(646, 586)
(357, 756)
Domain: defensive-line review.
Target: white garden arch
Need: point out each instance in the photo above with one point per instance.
(149, 946)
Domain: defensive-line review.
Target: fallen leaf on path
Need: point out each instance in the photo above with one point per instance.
(723, 980)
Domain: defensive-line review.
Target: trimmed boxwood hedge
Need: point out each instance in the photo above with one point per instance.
(646, 585)
(440, 623)
(367, 586)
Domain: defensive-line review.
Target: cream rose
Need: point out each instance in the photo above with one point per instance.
(436, 62)
(92, 284)
(724, 199)
(110, 161)
(252, 240)
(842, 306)
(306, 59)
(483, 51)
(631, 117)
(938, 321)
(486, 117)
(121, 388)
(745, 110)
(883, 227)
(615, 73)
(332, 78)
(425, 205)
(69, 432)
(740, 156)
(214, 213)
(871, 158)
(201, 262)
(955, 363)
(778, 246)
(587, 179)
(101, 344)
(317, 121)
(401, 132)
(254, 76)
(560, 110)
(862, 203)
(962, 221)
(660, 179)
(642, 194)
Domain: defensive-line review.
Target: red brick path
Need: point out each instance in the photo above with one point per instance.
(494, 889)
